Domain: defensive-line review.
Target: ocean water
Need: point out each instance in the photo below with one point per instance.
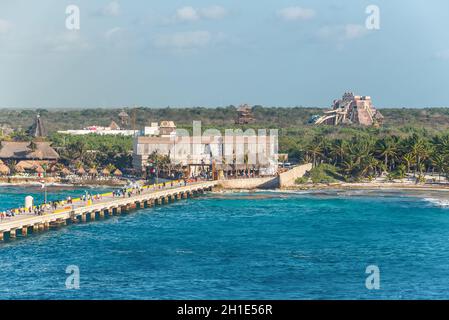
(260, 245)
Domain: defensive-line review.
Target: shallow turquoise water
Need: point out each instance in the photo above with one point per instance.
(242, 246)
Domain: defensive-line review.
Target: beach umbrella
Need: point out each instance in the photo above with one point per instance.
(106, 172)
(81, 171)
(39, 169)
(117, 172)
(19, 168)
(4, 170)
(93, 171)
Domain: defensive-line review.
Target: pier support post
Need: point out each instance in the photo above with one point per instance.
(24, 231)
(92, 216)
(159, 201)
(46, 225)
(41, 227)
(173, 198)
(179, 196)
(2, 236)
(83, 217)
(101, 214)
(118, 210)
(185, 195)
(35, 228)
(12, 233)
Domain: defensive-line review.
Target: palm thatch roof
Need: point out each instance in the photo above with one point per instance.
(117, 172)
(81, 170)
(39, 169)
(106, 172)
(29, 164)
(4, 169)
(24, 151)
(93, 171)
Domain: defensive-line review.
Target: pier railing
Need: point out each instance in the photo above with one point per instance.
(43, 222)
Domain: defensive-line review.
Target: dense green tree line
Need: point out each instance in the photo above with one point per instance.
(368, 156)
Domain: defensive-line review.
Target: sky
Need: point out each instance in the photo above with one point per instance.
(217, 53)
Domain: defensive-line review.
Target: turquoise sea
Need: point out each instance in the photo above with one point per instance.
(258, 245)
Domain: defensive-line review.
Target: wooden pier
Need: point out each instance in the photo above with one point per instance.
(22, 225)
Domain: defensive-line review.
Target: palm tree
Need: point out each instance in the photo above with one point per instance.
(439, 162)
(349, 167)
(420, 150)
(386, 149)
(339, 150)
(315, 151)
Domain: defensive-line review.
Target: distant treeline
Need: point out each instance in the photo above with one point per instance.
(433, 119)
(295, 131)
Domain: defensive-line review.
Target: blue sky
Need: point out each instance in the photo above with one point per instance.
(212, 53)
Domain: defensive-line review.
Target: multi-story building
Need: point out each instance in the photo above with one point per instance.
(225, 153)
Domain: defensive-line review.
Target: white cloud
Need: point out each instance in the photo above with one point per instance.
(354, 31)
(187, 14)
(5, 26)
(113, 33)
(112, 9)
(444, 54)
(213, 12)
(69, 41)
(343, 33)
(296, 13)
(184, 40)
(190, 14)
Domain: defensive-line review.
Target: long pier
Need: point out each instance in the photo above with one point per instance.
(21, 225)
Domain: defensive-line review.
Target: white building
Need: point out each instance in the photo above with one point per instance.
(229, 153)
(113, 129)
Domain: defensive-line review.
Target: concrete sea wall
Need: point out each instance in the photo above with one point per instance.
(284, 180)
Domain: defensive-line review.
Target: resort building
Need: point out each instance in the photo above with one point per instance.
(244, 115)
(124, 118)
(219, 153)
(152, 130)
(112, 129)
(351, 109)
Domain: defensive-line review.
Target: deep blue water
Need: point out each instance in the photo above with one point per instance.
(242, 246)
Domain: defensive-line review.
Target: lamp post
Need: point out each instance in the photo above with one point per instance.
(44, 186)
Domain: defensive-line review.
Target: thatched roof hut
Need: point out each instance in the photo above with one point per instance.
(81, 171)
(23, 151)
(105, 172)
(93, 171)
(117, 173)
(36, 154)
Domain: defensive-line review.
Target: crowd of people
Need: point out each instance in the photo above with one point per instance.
(90, 198)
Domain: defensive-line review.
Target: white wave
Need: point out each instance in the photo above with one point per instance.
(438, 202)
